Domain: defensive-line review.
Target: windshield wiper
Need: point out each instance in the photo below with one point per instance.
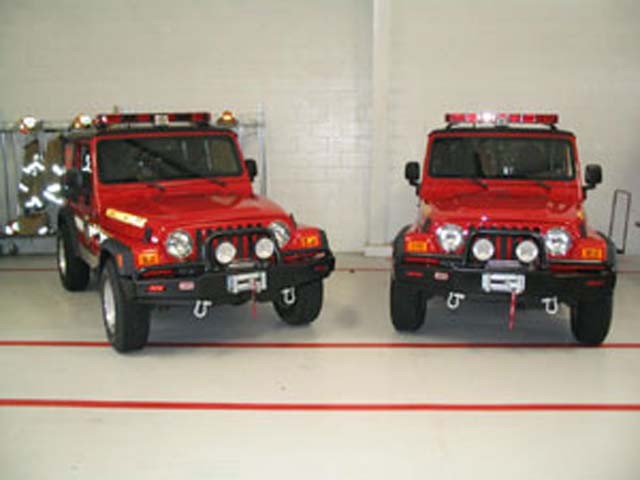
(151, 183)
(539, 182)
(477, 181)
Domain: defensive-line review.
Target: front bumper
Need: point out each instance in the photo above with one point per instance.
(212, 285)
(568, 287)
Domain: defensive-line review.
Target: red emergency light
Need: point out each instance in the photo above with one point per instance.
(160, 119)
(502, 118)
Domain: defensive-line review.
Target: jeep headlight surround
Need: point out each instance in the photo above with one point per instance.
(450, 237)
(179, 244)
(557, 241)
(281, 231)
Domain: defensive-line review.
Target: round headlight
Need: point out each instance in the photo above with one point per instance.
(264, 248)
(281, 232)
(557, 241)
(450, 237)
(483, 249)
(225, 252)
(527, 251)
(179, 244)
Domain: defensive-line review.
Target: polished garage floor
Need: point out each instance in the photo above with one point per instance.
(445, 408)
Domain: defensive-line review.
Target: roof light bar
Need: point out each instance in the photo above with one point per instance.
(106, 119)
(502, 118)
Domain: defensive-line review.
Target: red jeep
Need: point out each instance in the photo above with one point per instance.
(501, 213)
(161, 206)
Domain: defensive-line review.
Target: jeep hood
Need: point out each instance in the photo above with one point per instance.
(201, 210)
(504, 206)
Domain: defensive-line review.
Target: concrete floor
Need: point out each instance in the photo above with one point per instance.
(115, 442)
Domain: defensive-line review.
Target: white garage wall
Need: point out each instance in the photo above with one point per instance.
(578, 58)
(307, 62)
(310, 64)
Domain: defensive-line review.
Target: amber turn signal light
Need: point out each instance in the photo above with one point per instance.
(592, 253)
(147, 258)
(416, 246)
(310, 241)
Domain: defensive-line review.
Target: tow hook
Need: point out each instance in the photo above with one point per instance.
(454, 300)
(550, 305)
(201, 308)
(289, 296)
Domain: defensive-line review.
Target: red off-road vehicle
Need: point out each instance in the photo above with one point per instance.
(162, 207)
(501, 213)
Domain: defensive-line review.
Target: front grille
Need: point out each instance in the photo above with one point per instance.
(243, 237)
(505, 239)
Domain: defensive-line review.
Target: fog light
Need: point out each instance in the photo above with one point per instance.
(527, 251)
(483, 249)
(225, 252)
(264, 248)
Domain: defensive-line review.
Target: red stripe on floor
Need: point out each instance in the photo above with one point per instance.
(390, 407)
(318, 345)
(27, 269)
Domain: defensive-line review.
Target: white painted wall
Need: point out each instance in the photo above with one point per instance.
(310, 64)
(580, 58)
(307, 62)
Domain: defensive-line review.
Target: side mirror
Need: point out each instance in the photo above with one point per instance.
(72, 184)
(252, 168)
(412, 173)
(592, 176)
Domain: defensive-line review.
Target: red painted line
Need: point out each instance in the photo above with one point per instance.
(28, 269)
(323, 345)
(309, 407)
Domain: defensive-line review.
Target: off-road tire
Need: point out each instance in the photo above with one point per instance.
(73, 272)
(408, 307)
(306, 307)
(590, 320)
(128, 328)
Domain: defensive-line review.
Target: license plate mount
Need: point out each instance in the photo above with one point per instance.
(247, 282)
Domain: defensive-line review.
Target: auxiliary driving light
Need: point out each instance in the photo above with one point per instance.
(527, 251)
(225, 253)
(264, 248)
(483, 249)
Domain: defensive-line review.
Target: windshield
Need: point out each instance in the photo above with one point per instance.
(166, 158)
(502, 157)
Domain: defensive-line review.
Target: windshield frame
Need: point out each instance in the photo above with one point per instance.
(565, 137)
(225, 136)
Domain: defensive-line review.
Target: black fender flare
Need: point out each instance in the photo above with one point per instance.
(114, 248)
(398, 245)
(612, 252)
